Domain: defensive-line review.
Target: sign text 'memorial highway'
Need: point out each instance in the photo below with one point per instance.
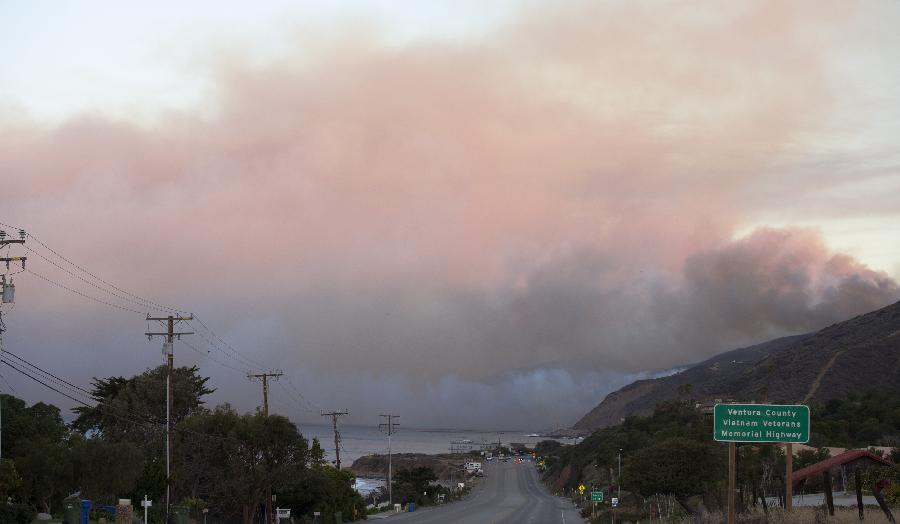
(761, 423)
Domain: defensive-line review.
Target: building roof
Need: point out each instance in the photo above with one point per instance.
(837, 460)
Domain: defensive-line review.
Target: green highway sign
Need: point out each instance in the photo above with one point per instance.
(596, 496)
(761, 423)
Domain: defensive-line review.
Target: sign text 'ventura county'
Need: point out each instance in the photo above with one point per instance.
(761, 423)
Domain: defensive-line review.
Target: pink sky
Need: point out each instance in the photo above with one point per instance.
(582, 193)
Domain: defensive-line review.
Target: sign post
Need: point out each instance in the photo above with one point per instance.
(732, 480)
(596, 496)
(146, 503)
(760, 423)
(789, 485)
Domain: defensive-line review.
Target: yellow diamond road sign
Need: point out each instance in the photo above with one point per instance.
(581, 488)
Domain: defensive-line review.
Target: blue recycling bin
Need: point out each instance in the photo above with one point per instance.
(412, 507)
(85, 512)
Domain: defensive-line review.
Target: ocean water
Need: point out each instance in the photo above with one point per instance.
(359, 441)
(366, 486)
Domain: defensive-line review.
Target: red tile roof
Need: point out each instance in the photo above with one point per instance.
(837, 460)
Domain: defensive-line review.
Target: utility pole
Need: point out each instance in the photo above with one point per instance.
(8, 292)
(389, 427)
(619, 479)
(337, 434)
(264, 378)
(618, 487)
(168, 345)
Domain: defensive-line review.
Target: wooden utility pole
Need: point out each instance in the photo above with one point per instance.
(170, 335)
(732, 480)
(389, 427)
(788, 477)
(7, 290)
(264, 378)
(337, 434)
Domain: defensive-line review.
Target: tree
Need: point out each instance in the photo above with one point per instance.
(35, 437)
(134, 409)
(412, 484)
(230, 460)
(10, 482)
(22, 423)
(676, 466)
(322, 488)
(808, 457)
(46, 471)
(104, 470)
(547, 447)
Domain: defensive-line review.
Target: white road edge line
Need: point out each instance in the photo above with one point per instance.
(562, 513)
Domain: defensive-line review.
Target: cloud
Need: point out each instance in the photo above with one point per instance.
(537, 207)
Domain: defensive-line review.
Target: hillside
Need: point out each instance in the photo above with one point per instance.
(858, 355)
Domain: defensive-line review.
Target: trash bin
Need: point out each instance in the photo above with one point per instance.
(412, 507)
(72, 510)
(181, 515)
(85, 514)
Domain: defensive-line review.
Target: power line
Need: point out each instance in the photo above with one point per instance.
(124, 295)
(101, 406)
(12, 389)
(211, 343)
(210, 357)
(213, 339)
(79, 388)
(301, 401)
(252, 363)
(84, 295)
(309, 403)
(48, 386)
(92, 275)
(97, 286)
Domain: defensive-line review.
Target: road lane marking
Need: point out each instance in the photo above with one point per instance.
(562, 514)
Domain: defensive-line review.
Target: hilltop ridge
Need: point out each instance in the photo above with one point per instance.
(860, 354)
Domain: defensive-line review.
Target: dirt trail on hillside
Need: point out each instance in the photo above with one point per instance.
(815, 385)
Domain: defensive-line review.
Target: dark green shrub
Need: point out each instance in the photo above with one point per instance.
(17, 513)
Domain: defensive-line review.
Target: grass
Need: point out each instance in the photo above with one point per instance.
(798, 516)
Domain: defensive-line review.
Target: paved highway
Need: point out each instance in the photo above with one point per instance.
(510, 493)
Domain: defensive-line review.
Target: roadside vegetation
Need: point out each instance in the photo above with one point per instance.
(672, 467)
(223, 461)
(859, 420)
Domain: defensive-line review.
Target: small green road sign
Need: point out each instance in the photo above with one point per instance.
(761, 423)
(596, 496)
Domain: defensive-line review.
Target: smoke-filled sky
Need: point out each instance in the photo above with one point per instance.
(470, 216)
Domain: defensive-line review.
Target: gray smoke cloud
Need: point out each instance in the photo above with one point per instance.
(486, 232)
